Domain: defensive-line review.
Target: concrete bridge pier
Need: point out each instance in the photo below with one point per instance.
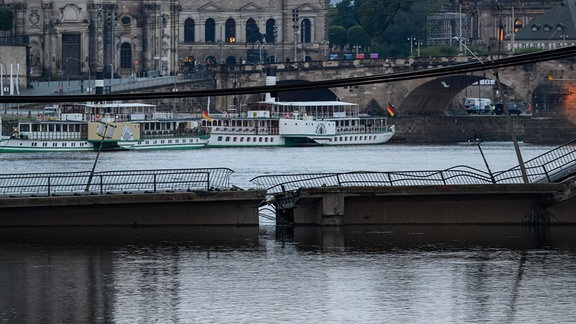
(333, 209)
(233, 208)
(439, 204)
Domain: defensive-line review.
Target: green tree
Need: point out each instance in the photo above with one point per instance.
(337, 36)
(358, 36)
(389, 23)
(6, 19)
(443, 50)
(375, 15)
(342, 14)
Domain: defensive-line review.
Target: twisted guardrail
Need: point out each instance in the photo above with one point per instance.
(551, 166)
(290, 182)
(554, 165)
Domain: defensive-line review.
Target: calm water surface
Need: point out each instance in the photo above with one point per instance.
(375, 274)
(382, 274)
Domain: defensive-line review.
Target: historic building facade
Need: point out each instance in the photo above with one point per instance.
(134, 37)
(483, 23)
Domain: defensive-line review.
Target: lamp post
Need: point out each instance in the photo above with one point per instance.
(295, 17)
(419, 44)
(478, 142)
(105, 131)
(79, 61)
(2, 66)
(506, 111)
(68, 72)
(411, 39)
(2, 90)
(220, 45)
(275, 30)
(259, 51)
(460, 26)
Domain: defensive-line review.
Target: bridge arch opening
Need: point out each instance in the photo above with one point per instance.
(322, 94)
(444, 95)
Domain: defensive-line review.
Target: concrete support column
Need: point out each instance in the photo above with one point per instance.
(333, 209)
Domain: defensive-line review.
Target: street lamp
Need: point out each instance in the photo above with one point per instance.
(356, 48)
(419, 44)
(295, 17)
(506, 111)
(2, 90)
(2, 65)
(220, 45)
(259, 51)
(80, 61)
(411, 39)
(275, 31)
(105, 131)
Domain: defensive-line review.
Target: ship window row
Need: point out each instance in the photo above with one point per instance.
(50, 127)
(354, 138)
(157, 126)
(176, 141)
(241, 139)
(64, 144)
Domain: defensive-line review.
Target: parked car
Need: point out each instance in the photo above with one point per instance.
(513, 108)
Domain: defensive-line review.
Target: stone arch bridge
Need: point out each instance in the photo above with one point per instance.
(418, 96)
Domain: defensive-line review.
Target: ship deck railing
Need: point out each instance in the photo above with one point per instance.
(363, 130)
(240, 130)
(53, 136)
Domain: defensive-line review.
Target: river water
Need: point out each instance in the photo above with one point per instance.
(373, 274)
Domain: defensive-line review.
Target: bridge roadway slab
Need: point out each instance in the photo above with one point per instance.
(239, 208)
(551, 203)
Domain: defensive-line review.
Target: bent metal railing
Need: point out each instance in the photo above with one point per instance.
(552, 166)
(110, 182)
(290, 182)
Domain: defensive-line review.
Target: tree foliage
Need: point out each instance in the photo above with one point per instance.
(388, 24)
(358, 36)
(6, 19)
(337, 36)
(343, 14)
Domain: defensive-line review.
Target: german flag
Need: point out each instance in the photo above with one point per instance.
(206, 116)
(391, 110)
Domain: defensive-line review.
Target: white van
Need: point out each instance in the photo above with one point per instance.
(50, 113)
(478, 105)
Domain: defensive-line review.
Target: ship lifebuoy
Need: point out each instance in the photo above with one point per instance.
(97, 118)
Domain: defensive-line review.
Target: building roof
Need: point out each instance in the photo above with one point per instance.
(557, 24)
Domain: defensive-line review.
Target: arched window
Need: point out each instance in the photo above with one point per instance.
(189, 30)
(230, 31)
(252, 31)
(125, 56)
(306, 31)
(210, 32)
(271, 31)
